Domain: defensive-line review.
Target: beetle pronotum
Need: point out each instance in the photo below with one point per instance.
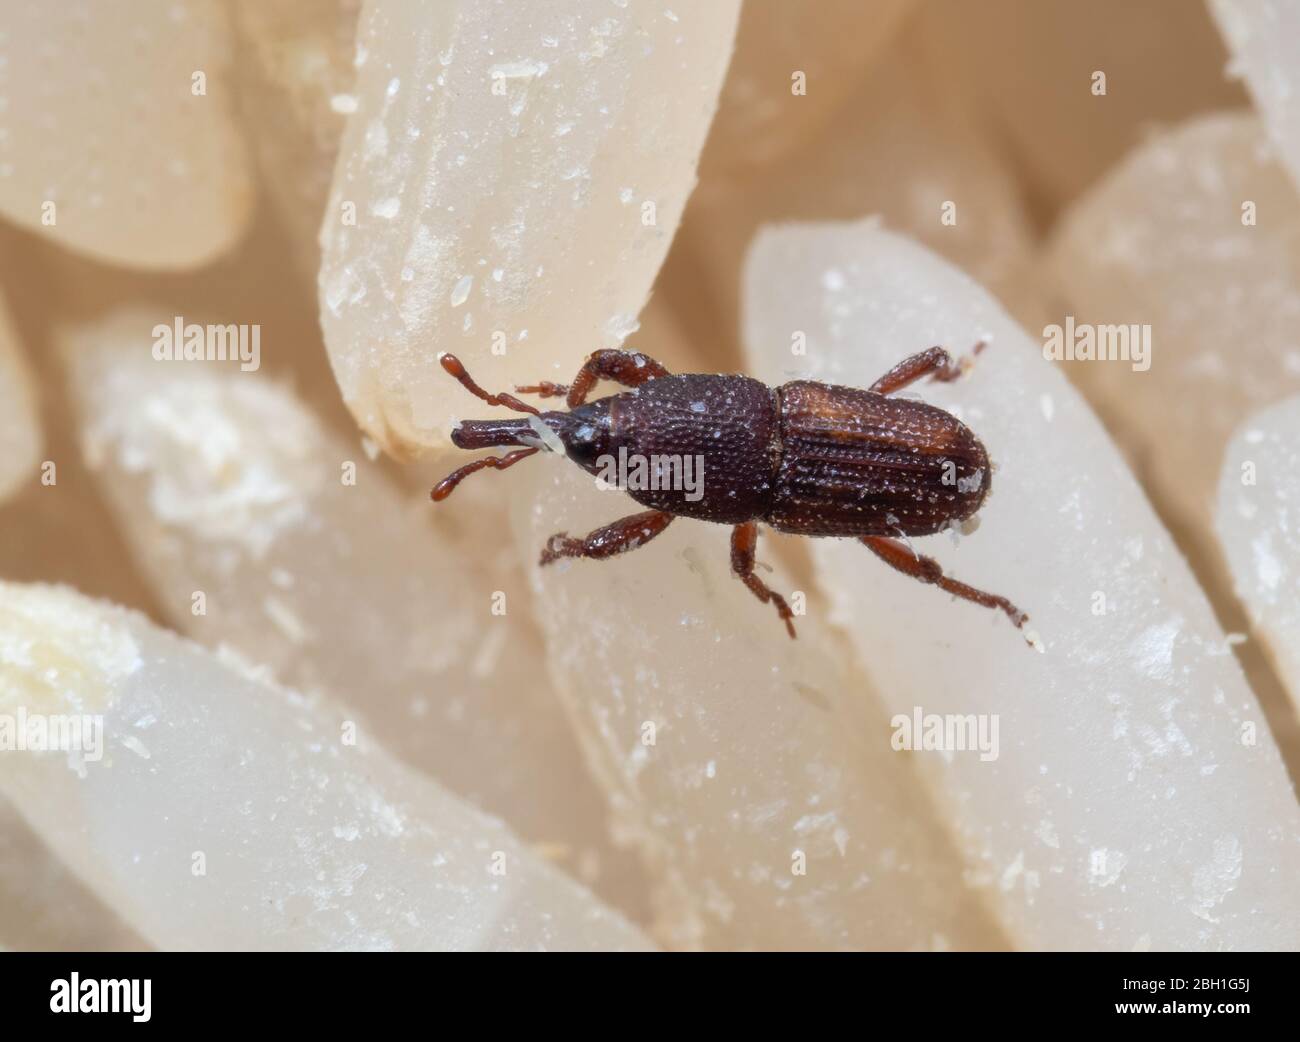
(806, 458)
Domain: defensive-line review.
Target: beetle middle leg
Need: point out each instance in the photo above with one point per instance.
(629, 368)
(927, 570)
(935, 361)
(623, 535)
(744, 538)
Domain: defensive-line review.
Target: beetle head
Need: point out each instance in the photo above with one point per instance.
(584, 432)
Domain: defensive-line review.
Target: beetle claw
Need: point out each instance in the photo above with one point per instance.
(551, 552)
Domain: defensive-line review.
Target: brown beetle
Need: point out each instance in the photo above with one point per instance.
(806, 458)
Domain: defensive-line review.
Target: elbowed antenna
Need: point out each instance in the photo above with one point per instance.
(447, 485)
(456, 368)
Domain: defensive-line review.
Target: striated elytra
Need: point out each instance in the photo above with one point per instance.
(806, 458)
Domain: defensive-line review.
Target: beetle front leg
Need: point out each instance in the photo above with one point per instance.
(927, 570)
(744, 539)
(934, 361)
(617, 538)
(629, 368)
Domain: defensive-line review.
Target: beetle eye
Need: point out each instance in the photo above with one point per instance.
(585, 432)
(583, 443)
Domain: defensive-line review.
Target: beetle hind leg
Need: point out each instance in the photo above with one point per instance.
(623, 535)
(744, 539)
(935, 362)
(927, 570)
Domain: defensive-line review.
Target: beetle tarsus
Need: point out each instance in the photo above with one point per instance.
(545, 389)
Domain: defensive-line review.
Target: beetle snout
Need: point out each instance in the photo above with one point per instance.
(484, 434)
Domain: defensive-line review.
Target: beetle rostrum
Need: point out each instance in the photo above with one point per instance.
(806, 458)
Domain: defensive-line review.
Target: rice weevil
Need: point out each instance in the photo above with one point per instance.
(805, 458)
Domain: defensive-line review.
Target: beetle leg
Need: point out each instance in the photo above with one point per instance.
(447, 485)
(935, 361)
(629, 368)
(545, 389)
(926, 569)
(625, 534)
(744, 538)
